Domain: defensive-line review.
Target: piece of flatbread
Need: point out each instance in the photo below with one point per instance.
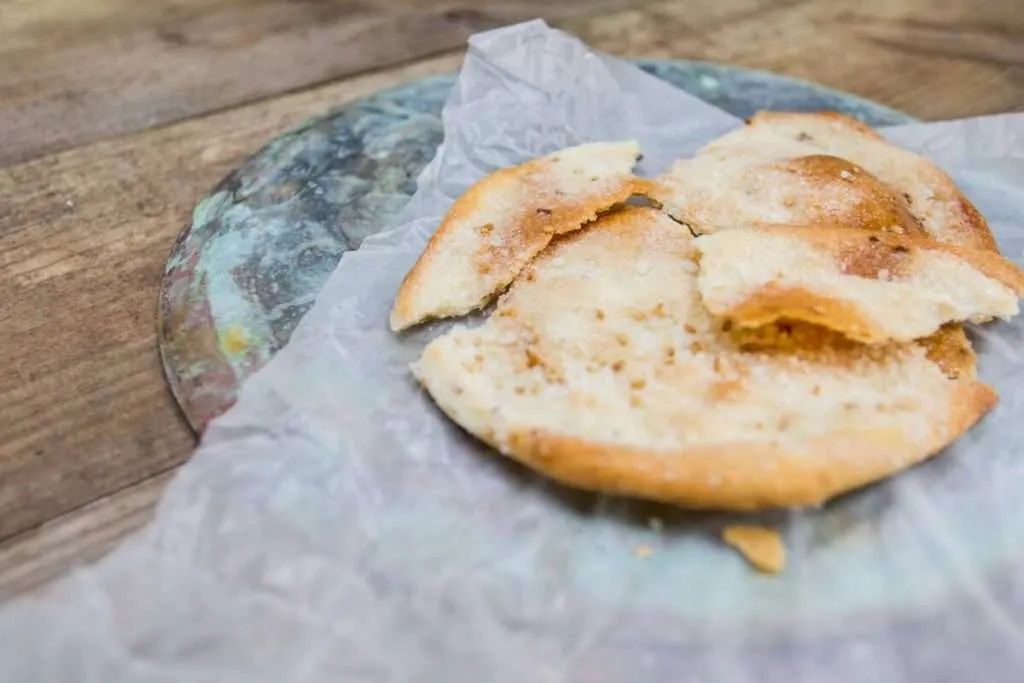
(602, 369)
(821, 169)
(760, 546)
(872, 287)
(506, 219)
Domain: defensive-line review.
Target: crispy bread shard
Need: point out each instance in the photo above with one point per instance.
(506, 219)
(760, 546)
(601, 368)
(818, 169)
(872, 287)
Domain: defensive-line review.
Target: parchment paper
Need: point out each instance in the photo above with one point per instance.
(334, 527)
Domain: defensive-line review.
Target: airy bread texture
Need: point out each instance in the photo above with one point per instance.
(506, 219)
(601, 368)
(821, 169)
(872, 287)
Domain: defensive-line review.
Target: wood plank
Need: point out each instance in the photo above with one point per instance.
(83, 233)
(35, 557)
(74, 72)
(83, 239)
(933, 60)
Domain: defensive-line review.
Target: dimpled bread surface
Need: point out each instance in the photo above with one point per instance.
(493, 230)
(872, 287)
(602, 368)
(821, 169)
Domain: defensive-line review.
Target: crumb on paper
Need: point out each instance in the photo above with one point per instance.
(760, 546)
(643, 551)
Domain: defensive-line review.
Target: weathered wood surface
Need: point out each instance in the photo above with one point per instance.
(74, 71)
(125, 90)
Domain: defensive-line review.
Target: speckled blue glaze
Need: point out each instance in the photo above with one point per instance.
(263, 242)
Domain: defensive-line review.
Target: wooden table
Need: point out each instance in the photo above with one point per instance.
(117, 115)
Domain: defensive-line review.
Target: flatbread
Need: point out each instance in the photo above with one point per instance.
(821, 169)
(507, 218)
(601, 368)
(872, 287)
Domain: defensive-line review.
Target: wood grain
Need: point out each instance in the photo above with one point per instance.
(86, 421)
(83, 239)
(932, 59)
(31, 559)
(75, 71)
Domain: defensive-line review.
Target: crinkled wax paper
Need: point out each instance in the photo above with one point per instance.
(334, 527)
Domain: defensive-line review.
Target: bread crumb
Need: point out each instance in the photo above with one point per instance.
(760, 546)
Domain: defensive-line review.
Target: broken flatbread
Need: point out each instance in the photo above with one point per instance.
(821, 169)
(506, 219)
(601, 368)
(872, 287)
(760, 546)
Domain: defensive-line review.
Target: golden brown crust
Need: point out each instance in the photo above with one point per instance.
(817, 189)
(833, 118)
(760, 546)
(951, 350)
(750, 475)
(948, 348)
(867, 255)
(772, 303)
(974, 228)
(971, 228)
(858, 252)
(538, 210)
(868, 205)
(842, 136)
(535, 230)
(644, 393)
